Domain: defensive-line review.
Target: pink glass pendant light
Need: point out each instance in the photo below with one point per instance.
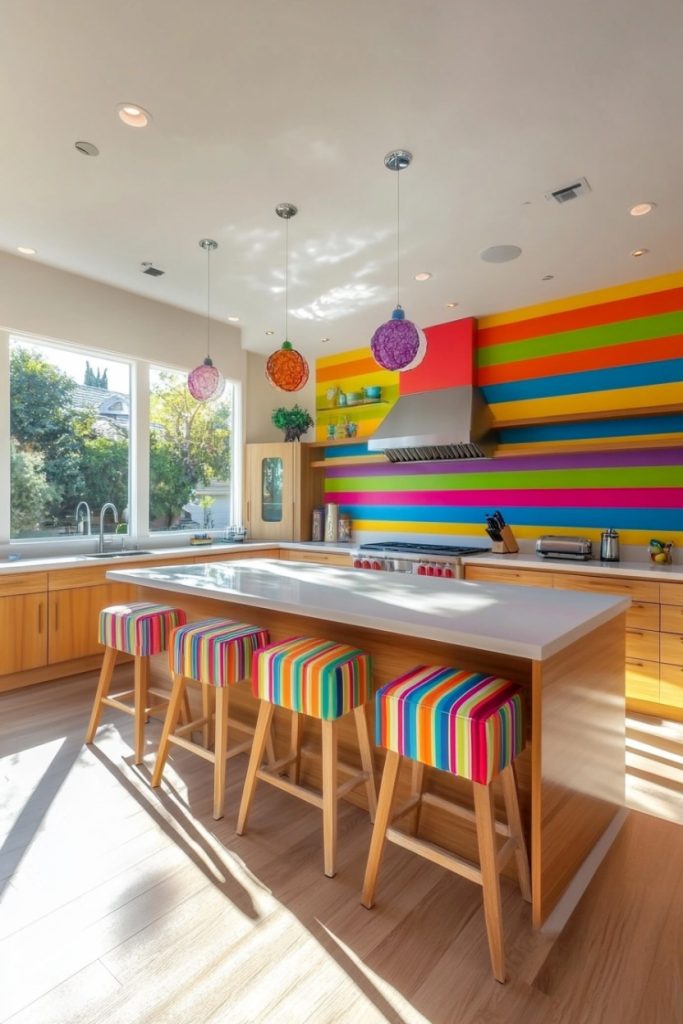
(286, 368)
(206, 381)
(398, 344)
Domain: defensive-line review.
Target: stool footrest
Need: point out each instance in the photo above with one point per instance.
(208, 755)
(290, 787)
(436, 854)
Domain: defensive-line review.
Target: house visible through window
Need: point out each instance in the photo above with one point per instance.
(69, 438)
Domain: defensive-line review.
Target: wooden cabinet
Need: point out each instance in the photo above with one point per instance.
(76, 597)
(671, 645)
(318, 557)
(23, 622)
(522, 577)
(280, 489)
(642, 680)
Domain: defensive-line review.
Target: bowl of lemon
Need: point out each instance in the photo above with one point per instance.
(660, 551)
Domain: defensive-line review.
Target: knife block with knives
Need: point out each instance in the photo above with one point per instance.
(503, 538)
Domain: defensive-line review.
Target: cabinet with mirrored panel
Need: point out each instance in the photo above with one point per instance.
(280, 490)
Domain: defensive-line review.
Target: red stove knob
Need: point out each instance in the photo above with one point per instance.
(422, 569)
(430, 570)
(376, 564)
(448, 572)
(366, 563)
(358, 563)
(438, 571)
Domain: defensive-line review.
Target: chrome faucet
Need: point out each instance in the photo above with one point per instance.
(103, 511)
(88, 517)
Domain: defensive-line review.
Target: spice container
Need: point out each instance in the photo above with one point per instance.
(331, 523)
(318, 524)
(344, 527)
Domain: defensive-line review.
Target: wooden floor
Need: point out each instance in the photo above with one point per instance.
(123, 905)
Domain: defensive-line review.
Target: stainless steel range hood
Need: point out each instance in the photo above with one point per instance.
(449, 423)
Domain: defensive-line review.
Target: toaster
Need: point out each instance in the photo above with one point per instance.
(552, 546)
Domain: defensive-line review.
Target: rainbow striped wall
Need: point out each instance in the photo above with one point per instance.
(618, 349)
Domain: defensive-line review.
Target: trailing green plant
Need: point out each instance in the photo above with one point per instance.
(294, 421)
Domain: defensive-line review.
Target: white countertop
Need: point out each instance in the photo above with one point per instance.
(528, 622)
(642, 570)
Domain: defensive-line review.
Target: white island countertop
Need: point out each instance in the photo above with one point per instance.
(525, 622)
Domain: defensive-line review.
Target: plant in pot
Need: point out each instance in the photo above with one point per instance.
(294, 421)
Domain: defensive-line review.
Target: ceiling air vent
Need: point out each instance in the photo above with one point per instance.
(579, 187)
(152, 271)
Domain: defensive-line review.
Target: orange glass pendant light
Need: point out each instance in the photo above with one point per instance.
(286, 368)
(206, 381)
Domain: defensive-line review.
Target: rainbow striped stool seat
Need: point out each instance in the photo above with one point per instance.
(468, 724)
(216, 653)
(141, 628)
(465, 723)
(324, 680)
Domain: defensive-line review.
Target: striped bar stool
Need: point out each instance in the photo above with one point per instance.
(471, 725)
(140, 629)
(216, 653)
(324, 680)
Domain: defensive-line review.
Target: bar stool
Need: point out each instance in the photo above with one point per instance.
(467, 724)
(141, 629)
(324, 680)
(216, 653)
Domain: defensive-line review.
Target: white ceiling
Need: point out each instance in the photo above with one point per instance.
(260, 102)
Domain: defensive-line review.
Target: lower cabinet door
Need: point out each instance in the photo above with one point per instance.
(74, 619)
(642, 680)
(23, 633)
(672, 685)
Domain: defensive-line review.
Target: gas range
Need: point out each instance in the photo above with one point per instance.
(417, 558)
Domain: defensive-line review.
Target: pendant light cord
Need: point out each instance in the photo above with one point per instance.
(398, 235)
(286, 278)
(208, 301)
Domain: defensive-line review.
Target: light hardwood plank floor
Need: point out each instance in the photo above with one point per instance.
(124, 905)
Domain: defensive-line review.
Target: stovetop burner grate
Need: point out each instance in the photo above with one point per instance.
(408, 548)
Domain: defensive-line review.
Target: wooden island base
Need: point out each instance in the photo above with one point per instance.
(571, 776)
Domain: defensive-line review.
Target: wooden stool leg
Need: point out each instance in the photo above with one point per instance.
(141, 675)
(417, 778)
(295, 747)
(366, 758)
(265, 716)
(486, 837)
(207, 712)
(108, 662)
(221, 697)
(382, 819)
(170, 722)
(329, 780)
(510, 796)
(185, 712)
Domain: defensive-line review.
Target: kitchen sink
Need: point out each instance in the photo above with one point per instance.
(123, 553)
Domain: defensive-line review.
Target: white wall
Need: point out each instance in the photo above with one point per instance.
(58, 306)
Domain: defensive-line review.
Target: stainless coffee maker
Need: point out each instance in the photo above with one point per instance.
(609, 546)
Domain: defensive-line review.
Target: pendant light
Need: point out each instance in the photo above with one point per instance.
(206, 381)
(286, 368)
(398, 344)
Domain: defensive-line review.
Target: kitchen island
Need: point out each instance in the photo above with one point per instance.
(566, 649)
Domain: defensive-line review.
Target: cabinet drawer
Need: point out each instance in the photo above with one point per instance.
(671, 685)
(671, 593)
(642, 645)
(637, 590)
(522, 577)
(671, 648)
(642, 615)
(672, 618)
(23, 583)
(642, 680)
(318, 557)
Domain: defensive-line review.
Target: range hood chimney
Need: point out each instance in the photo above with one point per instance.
(448, 423)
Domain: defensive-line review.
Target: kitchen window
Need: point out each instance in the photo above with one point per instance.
(69, 439)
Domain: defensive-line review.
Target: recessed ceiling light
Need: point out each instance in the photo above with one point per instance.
(640, 209)
(270, 332)
(424, 275)
(324, 340)
(500, 253)
(133, 115)
(234, 319)
(639, 252)
(452, 305)
(548, 277)
(26, 250)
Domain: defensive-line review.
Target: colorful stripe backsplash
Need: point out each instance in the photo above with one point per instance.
(620, 349)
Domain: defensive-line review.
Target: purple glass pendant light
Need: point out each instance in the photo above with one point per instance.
(206, 381)
(398, 344)
(286, 368)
